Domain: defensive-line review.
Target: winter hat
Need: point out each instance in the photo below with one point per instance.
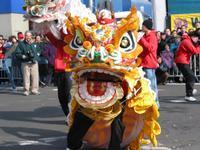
(20, 36)
(194, 34)
(148, 24)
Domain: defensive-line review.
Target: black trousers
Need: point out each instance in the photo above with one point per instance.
(81, 125)
(64, 84)
(189, 78)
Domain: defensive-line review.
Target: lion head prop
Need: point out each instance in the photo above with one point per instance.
(107, 79)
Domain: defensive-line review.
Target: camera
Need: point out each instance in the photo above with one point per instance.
(30, 54)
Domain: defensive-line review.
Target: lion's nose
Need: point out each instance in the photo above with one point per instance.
(110, 48)
(97, 48)
(87, 45)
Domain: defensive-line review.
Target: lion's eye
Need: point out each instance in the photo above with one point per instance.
(78, 41)
(127, 42)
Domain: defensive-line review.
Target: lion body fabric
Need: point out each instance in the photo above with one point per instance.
(139, 117)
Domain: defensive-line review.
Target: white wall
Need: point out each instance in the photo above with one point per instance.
(12, 23)
(5, 25)
(18, 23)
(159, 14)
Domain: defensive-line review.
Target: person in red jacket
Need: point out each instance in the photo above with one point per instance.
(2, 55)
(63, 78)
(149, 63)
(188, 47)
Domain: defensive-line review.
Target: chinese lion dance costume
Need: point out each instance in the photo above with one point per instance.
(112, 105)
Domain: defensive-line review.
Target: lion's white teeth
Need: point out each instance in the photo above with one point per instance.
(80, 73)
(99, 70)
(83, 92)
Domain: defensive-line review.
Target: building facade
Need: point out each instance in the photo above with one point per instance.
(183, 12)
(183, 6)
(12, 21)
(11, 16)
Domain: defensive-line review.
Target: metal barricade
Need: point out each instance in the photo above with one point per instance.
(14, 70)
(174, 73)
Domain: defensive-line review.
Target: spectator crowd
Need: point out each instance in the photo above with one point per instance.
(168, 43)
(13, 57)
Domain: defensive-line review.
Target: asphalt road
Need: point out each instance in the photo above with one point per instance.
(37, 122)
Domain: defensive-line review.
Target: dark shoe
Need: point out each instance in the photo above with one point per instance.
(42, 84)
(83, 147)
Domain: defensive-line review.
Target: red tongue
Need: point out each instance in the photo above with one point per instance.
(95, 88)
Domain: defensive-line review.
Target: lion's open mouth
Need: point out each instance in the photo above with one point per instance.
(99, 87)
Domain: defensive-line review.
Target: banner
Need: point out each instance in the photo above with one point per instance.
(188, 20)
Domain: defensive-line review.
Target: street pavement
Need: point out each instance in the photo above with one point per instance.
(37, 122)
